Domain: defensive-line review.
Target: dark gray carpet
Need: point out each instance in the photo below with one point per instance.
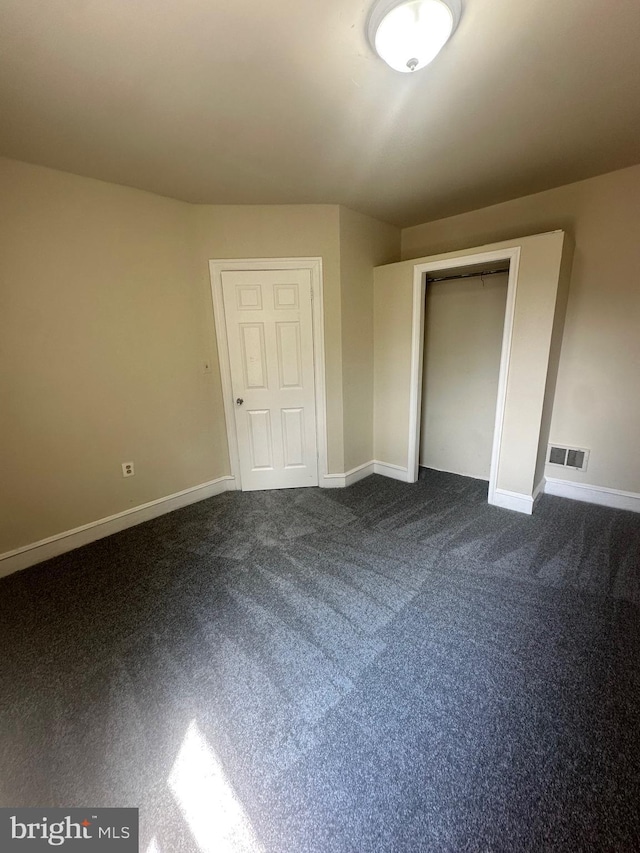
(388, 667)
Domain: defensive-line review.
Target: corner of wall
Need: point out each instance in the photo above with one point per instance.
(364, 244)
(562, 298)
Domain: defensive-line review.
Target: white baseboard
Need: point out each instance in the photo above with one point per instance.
(512, 500)
(332, 481)
(395, 472)
(539, 490)
(359, 473)
(29, 555)
(592, 494)
(339, 481)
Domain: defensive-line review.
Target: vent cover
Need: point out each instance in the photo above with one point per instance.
(568, 457)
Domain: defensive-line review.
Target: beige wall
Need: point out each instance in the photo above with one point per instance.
(464, 323)
(102, 346)
(392, 318)
(597, 398)
(364, 244)
(533, 324)
(106, 324)
(350, 245)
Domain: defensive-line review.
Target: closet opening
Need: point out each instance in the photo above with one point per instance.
(463, 417)
(463, 338)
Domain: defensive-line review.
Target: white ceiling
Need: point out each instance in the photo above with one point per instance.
(283, 101)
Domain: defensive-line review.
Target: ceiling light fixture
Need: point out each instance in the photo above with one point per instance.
(408, 34)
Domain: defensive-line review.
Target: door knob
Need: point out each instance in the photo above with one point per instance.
(239, 401)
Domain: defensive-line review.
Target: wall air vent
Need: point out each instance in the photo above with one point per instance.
(568, 457)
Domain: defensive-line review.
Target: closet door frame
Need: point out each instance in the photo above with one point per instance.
(420, 273)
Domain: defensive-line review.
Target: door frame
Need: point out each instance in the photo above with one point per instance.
(417, 351)
(314, 265)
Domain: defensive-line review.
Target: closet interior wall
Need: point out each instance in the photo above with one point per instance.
(464, 325)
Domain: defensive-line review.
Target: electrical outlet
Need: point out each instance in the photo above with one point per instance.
(128, 469)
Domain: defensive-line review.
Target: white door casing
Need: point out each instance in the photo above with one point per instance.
(417, 351)
(270, 343)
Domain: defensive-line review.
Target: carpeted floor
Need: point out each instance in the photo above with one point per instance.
(387, 667)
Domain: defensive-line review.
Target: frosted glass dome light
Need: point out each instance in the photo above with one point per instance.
(409, 35)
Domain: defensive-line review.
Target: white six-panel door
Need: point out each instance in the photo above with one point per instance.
(269, 323)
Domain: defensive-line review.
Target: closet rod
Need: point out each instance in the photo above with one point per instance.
(465, 275)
